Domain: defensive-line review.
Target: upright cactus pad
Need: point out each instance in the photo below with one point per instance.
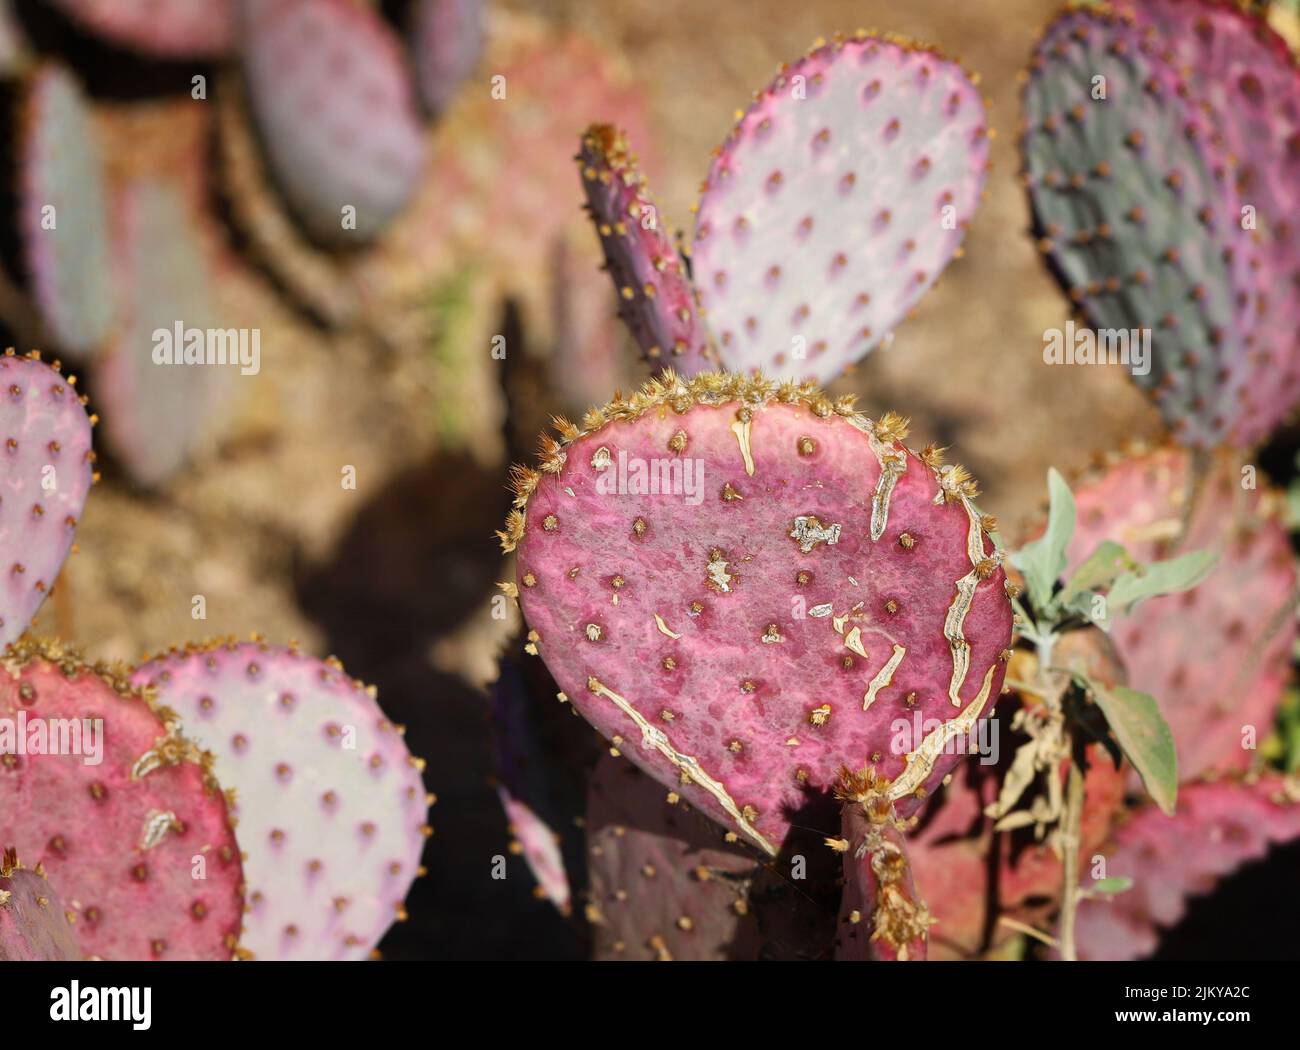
(883, 917)
(62, 212)
(1217, 657)
(157, 414)
(330, 802)
(1155, 220)
(743, 586)
(35, 924)
(122, 811)
(330, 92)
(664, 884)
(840, 196)
(446, 45)
(655, 295)
(1219, 827)
(168, 29)
(47, 474)
(539, 845)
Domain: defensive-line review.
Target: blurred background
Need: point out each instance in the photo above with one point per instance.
(377, 356)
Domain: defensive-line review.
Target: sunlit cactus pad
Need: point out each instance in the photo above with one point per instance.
(804, 581)
(330, 802)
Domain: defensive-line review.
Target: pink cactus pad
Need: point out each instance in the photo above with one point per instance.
(446, 45)
(330, 803)
(1219, 827)
(170, 29)
(835, 203)
(330, 92)
(883, 917)
(664, 885)
(540, 847)
(1216, 658)
(62, 212)
(47, 475)
(655, 294)
(806, 582)
(125, 815)
(157, 415)
(35, 924)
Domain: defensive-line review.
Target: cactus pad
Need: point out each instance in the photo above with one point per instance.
(330, 803)
(63, 215)
(446, 45)
(138, 842)
(329, 91)
(790, 583)
(48, 474)
(656, 297)
(835, 203)
(168, 29)
(156, 414)
(1142, 208)
(1218, 827)
(664, 884)
(35, 924)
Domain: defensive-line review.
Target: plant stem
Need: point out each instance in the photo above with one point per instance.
(1070, 849)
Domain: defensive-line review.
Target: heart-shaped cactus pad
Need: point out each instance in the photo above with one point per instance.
(748, 586)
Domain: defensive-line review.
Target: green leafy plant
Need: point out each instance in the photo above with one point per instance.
(1075, 706)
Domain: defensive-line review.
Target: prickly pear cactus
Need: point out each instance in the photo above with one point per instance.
(35, 924)
(48, 473)
(664, 883)
(882, 917)
(835, 203)
(62, 212)
(121, 810)
(656, 297)
(1220, 826)
(1216, 658)
(168, 29)
(330, 802)
(743, 585)
(446, 45)
(331, 96)
(158, 414)
(1151, 216)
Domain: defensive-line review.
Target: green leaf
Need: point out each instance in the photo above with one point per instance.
(1111, 885)
(1098, 569)
(1092, 606)
(1043, 560)
(1160, 577)
(1146, 740)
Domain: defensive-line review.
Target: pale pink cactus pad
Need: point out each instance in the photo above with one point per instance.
(330, 802)
(48, 471)
(835, 203)
(133, 831)
(803, 582)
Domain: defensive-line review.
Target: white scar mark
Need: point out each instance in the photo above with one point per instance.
(853, 640)
(653, 736)
(741, 429)
(883, 677)
(664, 628)
(954, 631)
(156, 826)
(920, 762)
(892, 467)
